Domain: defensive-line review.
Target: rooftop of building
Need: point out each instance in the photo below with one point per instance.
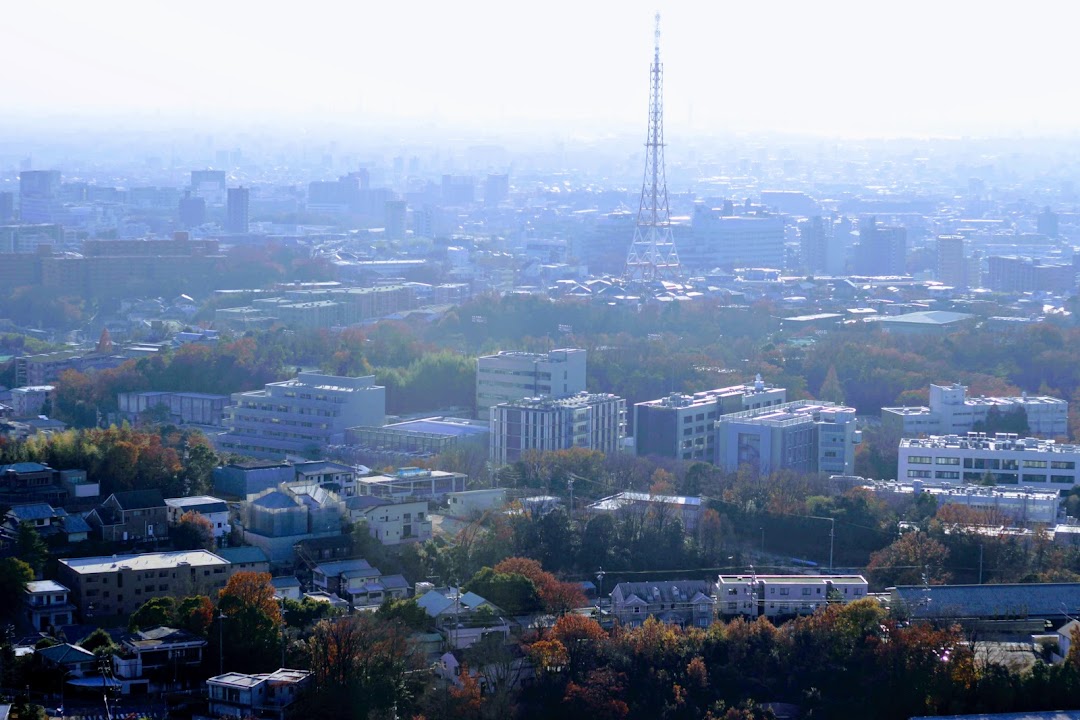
(1000, 442)
(548, 356)
(45, 586)
(707, 397)
(788, 413)
(243, 554)
(456, 427)
(200, 503)
(620, 500)
(924, 317)
(545, 402)
(143, 561)
(945, 489)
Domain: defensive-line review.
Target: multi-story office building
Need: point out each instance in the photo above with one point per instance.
(882, 249)
(951, 261)
(236, 210)
(1047, 223)
(511, 376)
(185, 407)
(822, 249)
(7, 206)
(396, 214)
(300, 415)
(720, 240)
(1013, 274)
(951, 412)
(683, 426)
(39, 197)
(593, 421)
(1018, 504)
(1001, 459)
(192, 210)
(120, 584)
(805, 436)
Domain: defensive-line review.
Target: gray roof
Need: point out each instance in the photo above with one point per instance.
(139, 499)
(275, 500)
(665, 591)
(243, 554)
(1034, 600)
(73, 524)
(33, 511)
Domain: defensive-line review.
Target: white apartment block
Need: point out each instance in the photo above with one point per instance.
(300, 415)
(512, 376)
(951, 412)
(1003, 459)
(781, 595)
(593, 421)
(805, 436)
(1020, 504)
(683, 426)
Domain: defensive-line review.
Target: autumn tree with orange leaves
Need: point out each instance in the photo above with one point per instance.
(252, 623)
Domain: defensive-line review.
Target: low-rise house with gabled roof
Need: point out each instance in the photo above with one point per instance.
(158, 659)
(678, 602)
(132, 516)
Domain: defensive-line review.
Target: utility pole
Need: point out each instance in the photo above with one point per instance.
(832, 537)
(980, 562)
(570, 486)
(221, 642)
(600, 593)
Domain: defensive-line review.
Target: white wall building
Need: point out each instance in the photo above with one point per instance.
(683, 426)
(1003, 459)
(391, 523)
(265, 695)
(751, 595)
(215, 510)
(1021, 504)
(951, 412)
(511, 376)
(593, 421)
(30, 400)
(463, 504)
(301, 415)
(805, 436)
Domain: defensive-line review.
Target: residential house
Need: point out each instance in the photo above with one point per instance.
(71, 659)
(462, 618)
(286, 587)
(158, 659)
(263, 695)
(358, 582)
(679, 602)
(30, 482)
(53, 524)
(333, 476)
(46, 605)
(391, 523)
(132, 516)
(1065, 637)
(276, 520)
(215, 510)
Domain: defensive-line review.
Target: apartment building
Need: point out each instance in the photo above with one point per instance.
(774, 596)
(119, 584)
(586, 420)
(512, 376)
(952, 412)
(678, 602)
(683, 426)
(300, 415)
(805, 436)
(686, 510)
(1001, 459)
(183, 407)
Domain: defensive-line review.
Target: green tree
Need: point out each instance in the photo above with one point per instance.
(193, 532)
(512, 592)
(100, 643)
(30, 547)
(406, 611)
(14, 574)
(153, 613)
(252, 622)
(831, 390)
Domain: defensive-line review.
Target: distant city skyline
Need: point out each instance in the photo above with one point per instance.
(834, 68)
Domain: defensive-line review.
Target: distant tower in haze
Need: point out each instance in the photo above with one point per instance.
(652, 254)
(236, 210)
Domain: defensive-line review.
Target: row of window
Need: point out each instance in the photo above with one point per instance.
(992, 463)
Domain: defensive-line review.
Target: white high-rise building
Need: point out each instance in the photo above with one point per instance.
(1003, 459)
(512, 376)
(952, 412)
(301, 415)
(593, 421)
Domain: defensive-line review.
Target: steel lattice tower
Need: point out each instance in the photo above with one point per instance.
(652, 255)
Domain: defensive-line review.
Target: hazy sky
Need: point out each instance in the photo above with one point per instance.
(865, 67)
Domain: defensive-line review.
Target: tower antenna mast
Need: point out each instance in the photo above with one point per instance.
(652, 253)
